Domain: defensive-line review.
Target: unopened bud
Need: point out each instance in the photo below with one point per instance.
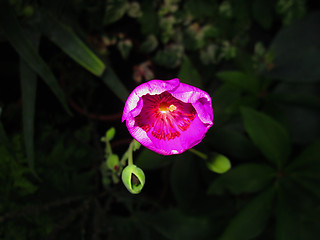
(133, 178)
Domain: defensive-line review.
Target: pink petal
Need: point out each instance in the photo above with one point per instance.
(190, 134)
(151, 87)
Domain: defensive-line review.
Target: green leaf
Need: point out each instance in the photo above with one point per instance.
(298, 60)
(268, 135)
(113, 82)
(241, 80)
(150, 160)
(17, 38)
(250, 221)
(189, 74)
(70, 43)
(28, 88)
(246, 178)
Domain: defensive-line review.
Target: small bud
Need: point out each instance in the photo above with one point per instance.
(135, 145)
(113, 162)
(110, 134)
(219, 163)
(133, 178)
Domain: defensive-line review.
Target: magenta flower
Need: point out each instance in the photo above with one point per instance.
(168, 117)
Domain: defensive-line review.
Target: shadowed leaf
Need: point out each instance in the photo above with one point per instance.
(28, 80)
(246, 178)
(113, 82)
(17, 38)
(70, 43)
(268, 135)
(251, 220)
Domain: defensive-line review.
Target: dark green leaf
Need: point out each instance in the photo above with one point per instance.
(4, 140)
(286, 219)
(113, 82)
(149, 45)
(246, 178)
(297, 99)
(149, 160)
(184, 179)
(124, 47)
(115, 9)
(201, 8)
(174, 224)
(309, 185)
(17, 38)
(28, 88)
(70, 43)
(250, 221)
(297, 51)
(268, 135)
(225, 96)
(189, 74)
(263, 12)
(149, 20)
(241, 80)
(170, 57)
(308, 159)
(233, 143)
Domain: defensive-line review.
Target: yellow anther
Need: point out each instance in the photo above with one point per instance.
(172, 108)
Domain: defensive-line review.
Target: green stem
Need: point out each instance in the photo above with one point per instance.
(108, 147)
(198, 153)
(130, 158)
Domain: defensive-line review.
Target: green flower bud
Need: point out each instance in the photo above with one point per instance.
(135, 145)
(110, 133)
(133, 178)
(219, 163)
(113, 162)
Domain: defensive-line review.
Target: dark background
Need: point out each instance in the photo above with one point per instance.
(66, 70)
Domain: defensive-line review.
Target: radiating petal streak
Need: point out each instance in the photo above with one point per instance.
(167, 115)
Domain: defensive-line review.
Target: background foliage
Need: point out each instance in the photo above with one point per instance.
(66, 70)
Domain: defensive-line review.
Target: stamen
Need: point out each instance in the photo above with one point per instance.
(172, 108)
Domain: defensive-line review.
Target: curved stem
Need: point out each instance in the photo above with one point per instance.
(198, 153)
